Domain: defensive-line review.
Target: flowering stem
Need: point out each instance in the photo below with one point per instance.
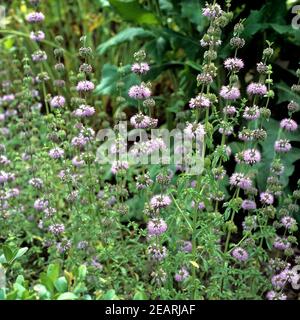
(183, 214)
(232, 218)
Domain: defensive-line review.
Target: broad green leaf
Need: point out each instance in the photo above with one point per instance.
(273, 11)
(53, 272)
(110, 295)
(20, 289)
(131, 10)
(128, 34)
(2, 294)
(20, 280)
(194, 65)
(178, 40)
(104, 3)
(140, 295)
(82, 271)
(61, 284)
(268, 154)
(67, 296)
(12, 295)
(191, 9)
(166, 5)
(110, 75)
(47, 282)
(254, 23)
(8, 42)
(285, 93)
(42, 291)
(3, 259)
(21, 252)
(8, 253)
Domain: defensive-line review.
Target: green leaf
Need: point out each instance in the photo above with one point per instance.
(253, 23)
(67, 296)
(53, 272)
(3, 259)
(104, 3)
(20, 289)
(108, 79)
(140, 295)
(47, 282)
(271, 15)
(20, 280)
(179, 40)
(110, 75)
(128, 34)
(61, 284)
(110, 295)
(285, 93)
(42, 291)
(21, 252)
(2, 294)
(191, 9)
(12, 295)
(268, 153)
(165, 5)
(82, 271)
(130, 10)
(8, 42)
(8, 253)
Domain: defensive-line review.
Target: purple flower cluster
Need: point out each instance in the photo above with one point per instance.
(266, 198)
(84, 111)
(240, 254)
(234, 64)
(194, 131)
(289, 124)
(160, 201)
(118, 166)
(56, 153)
(281, 243)
(36, 183)
(139, 92)
(251, 113)
(229, 111)
(85, 86)
(39, 56)
(230, 93)
(141, 121)
(35, 17)
(251, 156)
(199, 102)
(40, 204)
(256, 89)
(241, 181)
(248, 205)
(156, 227)
(56, 229)
(212, 11)
(288, 222)
(37, 36)
(181, 275)
(157, 253)
(282, 146)
(140, 67)
(57, 102)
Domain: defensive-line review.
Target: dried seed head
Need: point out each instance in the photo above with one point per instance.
(237, 42)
